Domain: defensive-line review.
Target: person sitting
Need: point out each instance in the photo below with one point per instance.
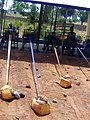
(27, 36)
(70, 42)
(10, 27)
(52, 40)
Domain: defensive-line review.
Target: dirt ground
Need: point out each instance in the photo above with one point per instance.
(65, 104)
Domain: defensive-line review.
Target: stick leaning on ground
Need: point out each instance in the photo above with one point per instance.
(55, 50)
(34, 70)
(8, 60)
(84, 56)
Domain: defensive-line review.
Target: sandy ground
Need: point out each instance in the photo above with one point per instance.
(76, 104)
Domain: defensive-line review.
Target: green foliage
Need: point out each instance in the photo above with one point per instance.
(20, 7)
(33, 15)
(45, 28)
(66, 12)
(62, 20)
(47, 14)
(79, 38)
(80, 35)
(29, 10)
(83, 14)
(75, 16)
(15, 23)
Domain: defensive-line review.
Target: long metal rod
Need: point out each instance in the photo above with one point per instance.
(8, 60)
(34, 70)
(84, 56)
(84, 73)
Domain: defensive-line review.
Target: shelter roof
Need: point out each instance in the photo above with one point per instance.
(77, 4)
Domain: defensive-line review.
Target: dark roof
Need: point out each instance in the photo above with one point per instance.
(77, 4)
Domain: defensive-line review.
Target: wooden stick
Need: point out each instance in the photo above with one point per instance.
(58, 61)
(8, 60)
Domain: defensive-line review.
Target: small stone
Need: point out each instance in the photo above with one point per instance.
(36, 69)
(67, 76)
(78, 83)
(65, 99)
(17, 118)
(57, 82)
(39, 76)
(87, 79)
(54, 101)
(16, 94)
(88, 69)
(21, 94)
(28, 64)
(64, 95)
(68, 67)
(54, 74)
(28, 86)
(78, 68)
(75, 78)
(26, 68)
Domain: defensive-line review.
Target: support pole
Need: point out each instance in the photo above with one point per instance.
(55, 21)
(84, 56)
(51, 27)
(2, 14)
(39, 26)
(4, 17)
(88, 27)
(8, 60)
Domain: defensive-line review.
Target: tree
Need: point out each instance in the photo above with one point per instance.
(20, 7)
(33, 14)
(83, 15)
(47, 14)
(25, 9)
(75, 17)
(66, 12)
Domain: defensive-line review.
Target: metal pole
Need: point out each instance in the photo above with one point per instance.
(34, 70)
(52, 20)
(55, 21)
(39, 25)
(8, 60)
(84, 73)
(2, 11)
(84, 56)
